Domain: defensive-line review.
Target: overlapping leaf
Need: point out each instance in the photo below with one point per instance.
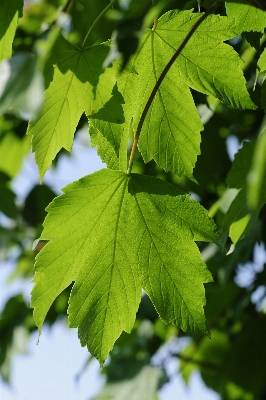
(104, 149)
(247, 17)
(249, 21)
(114, 234)
(75, 82)
(171, 131)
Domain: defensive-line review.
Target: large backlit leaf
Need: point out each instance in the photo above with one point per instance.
(104, 150)
(114, 234)
(171, 130)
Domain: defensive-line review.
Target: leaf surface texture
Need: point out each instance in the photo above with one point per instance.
(247, 17)
(114, 234)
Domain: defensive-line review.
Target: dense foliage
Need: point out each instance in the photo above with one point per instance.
(164, 87)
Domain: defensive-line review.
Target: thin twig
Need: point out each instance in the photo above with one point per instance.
(97, 20)
(155, 19)
(66, 6)
(158, 83)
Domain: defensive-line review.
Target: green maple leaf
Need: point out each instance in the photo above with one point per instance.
(10, 12)
(76, 82)
(114, 234)
(171, 131)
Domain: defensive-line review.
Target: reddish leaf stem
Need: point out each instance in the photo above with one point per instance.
(66, 6)
(158, 83)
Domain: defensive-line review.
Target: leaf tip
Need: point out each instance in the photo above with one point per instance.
(41, 173)
(101, 362)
